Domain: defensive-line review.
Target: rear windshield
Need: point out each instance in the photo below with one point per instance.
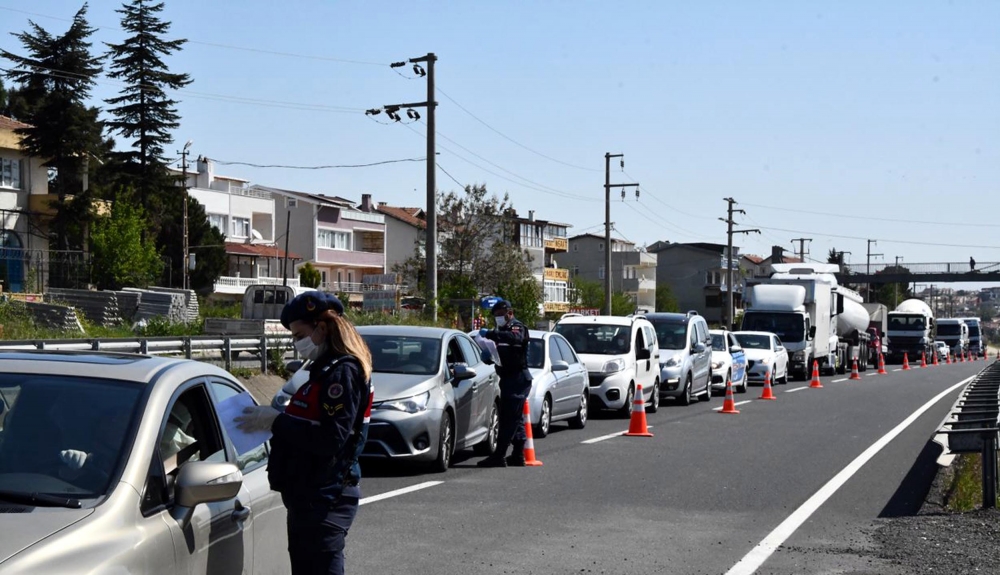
(597, 339)
(753, 341)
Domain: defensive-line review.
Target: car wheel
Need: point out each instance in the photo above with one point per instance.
(489, 445)
(784, 378)
(446, 445)
(743, 386)
(654, 400)
(545, 420)
(685, 398)
(707, 396)
(580, 421)
(626, 410)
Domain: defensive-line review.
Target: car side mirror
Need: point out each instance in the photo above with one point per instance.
(293, 366)
(735, 349)
(643, 353)
(203, 482)
(812, 331)
(560, 365)
(699, 347)
(461, 372)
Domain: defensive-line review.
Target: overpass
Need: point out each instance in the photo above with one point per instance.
(947, 272)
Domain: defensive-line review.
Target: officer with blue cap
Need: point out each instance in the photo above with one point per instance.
(511, 337)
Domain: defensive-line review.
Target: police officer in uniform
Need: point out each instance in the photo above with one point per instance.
(318, 438)
(511, 338)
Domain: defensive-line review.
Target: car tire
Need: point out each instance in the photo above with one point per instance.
(784, 378)
(685, 398)
(707, 396)
(489, 445)
(580, 421)
(654, 399)
(626, 410)
(743, 386)
(544, 425)
(446, 445)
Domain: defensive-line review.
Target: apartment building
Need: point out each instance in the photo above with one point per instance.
(633, 271)
(697, 276)
(545, 243)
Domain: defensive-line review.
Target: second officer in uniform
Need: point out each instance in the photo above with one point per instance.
(511, 338)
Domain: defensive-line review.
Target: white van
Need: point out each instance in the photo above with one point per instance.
(620, 353)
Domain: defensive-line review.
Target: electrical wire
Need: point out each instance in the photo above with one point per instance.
(656, 223)
(440, 167)
(655, 197)
(871, 218)
(890, 241)
(508, 138)
(686, 231)
(328, 167)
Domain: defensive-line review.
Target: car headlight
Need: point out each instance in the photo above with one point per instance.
(672, 362)
(614, 366)
(414, 404)
(718, 364)
(799, 356)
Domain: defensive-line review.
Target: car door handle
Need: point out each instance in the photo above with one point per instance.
(241, 514)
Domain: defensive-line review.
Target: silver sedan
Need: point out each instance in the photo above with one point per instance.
(131, 464)
(559, 383)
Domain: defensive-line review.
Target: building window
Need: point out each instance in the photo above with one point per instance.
(555, 231)
(600, 272)
(556, 292)
(218, 221)
(241, 227)
(600, 247)
(576, 271)
(531, 236)
(10, 173)
(576, 247)
(334, 240)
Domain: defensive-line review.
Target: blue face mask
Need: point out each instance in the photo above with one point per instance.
(501, 320)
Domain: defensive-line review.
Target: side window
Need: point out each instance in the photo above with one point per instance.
(455, 354)
(640, 339)
(651, 337)
(732, 341)
(702, 332)
(693, 338)
(470, 351)
(257, 456)
(569, 356)
(555, 354)
(777, 342)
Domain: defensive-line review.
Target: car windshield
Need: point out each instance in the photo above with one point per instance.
(718, 342)
(64, 436)
(597, 339)
(949, 329)
(671, 334)
(906, 322)
(753, 341)
(536, 353)
(787, 326)
(407, 355)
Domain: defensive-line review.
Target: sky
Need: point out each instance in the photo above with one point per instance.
(839, 121)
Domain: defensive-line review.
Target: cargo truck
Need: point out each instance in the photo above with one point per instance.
(976, 343)
(954, 333)
(878, 325)
(911, 331)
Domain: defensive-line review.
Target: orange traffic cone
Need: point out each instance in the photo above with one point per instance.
(768, 392)
(923, 359)
(947, 358)
(961, 358)
(529, 441)
(637, 424)
(854, 371)
(815, 378)
(936, 359)
(729, 404)
(906, 361)
(881, 365)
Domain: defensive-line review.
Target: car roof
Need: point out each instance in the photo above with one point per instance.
(621, 320)
(407, 330)
(539, 334)
(670, 316)
(719, 331)
(767, 333)
(118, 366)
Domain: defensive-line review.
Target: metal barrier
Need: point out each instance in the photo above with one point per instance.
(973, 423)
(190, 347)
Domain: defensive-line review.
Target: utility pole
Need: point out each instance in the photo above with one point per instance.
(895, 286)
(868, 270)
(730, 312)
(607, 224)
(184, 174)
(802, 247)
(392, 111)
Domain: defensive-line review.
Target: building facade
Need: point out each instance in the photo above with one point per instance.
(25, 207)
(405, 230)
(545, 243)
(633, 271)
(697, 276)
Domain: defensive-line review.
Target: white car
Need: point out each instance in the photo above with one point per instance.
(765, 354)
(729, 362)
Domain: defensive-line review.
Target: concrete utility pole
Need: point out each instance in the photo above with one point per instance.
(868, 270)
(730, 313)
(802, 247)
(184, 173)
(607, 224)
(895, 287)
(392, 111)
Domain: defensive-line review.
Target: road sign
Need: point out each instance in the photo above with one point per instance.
(489, 302)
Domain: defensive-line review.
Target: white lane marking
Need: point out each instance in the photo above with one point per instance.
(759, 554)
(735, 404)
(397, 492)
(793, 390)
(898, 369)
(609, 436)
(870, 374)
(841, 379)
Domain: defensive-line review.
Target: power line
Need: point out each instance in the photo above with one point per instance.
(872, 218)
(328, 167)
(655, 197)
(657, 223)
(675, 226)
(512, 140)
(905, 242)
(460, 185)
(216, 44)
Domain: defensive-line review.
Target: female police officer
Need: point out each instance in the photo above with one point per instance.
(317, 440)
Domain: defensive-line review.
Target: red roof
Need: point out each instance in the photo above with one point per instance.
(257, 250)
(754, 259)
(406, 215)
(11, 124)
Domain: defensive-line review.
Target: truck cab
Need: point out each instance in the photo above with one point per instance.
(912, 331)
(954, 333)
(976, 343)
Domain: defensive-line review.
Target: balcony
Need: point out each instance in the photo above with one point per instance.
(556, 275)
(237, 285)
(358, 287)
(634, 285)
(42, 204)
(350, 257)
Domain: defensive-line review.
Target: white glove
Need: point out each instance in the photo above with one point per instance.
(257, 418)
(73, 459)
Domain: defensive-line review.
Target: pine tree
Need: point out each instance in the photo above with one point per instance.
(143, 114)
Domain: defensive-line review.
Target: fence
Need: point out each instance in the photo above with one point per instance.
(34, 270)
(201, 348)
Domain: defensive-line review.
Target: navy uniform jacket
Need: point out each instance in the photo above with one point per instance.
(512, 347)
(317, 440)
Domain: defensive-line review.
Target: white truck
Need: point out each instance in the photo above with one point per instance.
(954, 332)
(911, 331)
(976, 343)
(261, 313)
(816, 318)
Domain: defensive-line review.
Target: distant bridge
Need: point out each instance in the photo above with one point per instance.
(948, 272)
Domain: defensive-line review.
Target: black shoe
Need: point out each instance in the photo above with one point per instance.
(515, 461)
(492, 461)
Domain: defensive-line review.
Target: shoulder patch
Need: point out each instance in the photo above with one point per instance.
(335, 390)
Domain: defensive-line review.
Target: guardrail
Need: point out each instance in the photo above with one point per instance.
(973, 424)
(202, 348)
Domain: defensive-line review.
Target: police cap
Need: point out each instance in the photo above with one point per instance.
(501, 307)
(308, 306)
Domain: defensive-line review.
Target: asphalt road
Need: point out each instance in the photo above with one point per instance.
(695, 498)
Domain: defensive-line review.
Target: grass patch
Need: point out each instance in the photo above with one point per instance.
(244, 372)
(966, 490)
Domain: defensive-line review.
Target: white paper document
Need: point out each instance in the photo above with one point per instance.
(231, 408)
(488, 345)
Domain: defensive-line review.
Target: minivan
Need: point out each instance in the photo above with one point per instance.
(685, 356)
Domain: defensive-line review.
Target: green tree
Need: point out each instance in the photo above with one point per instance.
(143, 114)
(622, 304)
(892, 294)
(588, 294)
(665, 300)
(309, 276)
(525, 295)
(121, 257)
(54, 81)
(206, 242)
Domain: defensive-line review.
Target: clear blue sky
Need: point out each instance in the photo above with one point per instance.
(886, 109)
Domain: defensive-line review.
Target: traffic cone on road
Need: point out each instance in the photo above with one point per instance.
(815, 378)
(529, 441)
(729, 404)
(637, 424)
(881, 365)
(854, 371)
(923, 359)
(961, 358)
(906, 361)
(936, 359)
(768, 393)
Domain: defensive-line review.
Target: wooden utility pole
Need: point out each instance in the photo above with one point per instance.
(607, 225)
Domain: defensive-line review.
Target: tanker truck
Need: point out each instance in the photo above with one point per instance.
(911, 331)
(815, 318)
